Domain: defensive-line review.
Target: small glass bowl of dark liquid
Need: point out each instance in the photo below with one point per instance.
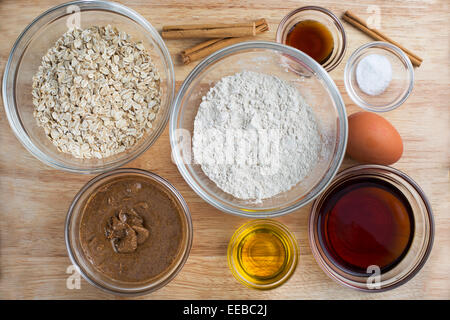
(372, 229)
(315, 31)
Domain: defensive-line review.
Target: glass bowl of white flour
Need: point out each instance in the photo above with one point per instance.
(258, 129)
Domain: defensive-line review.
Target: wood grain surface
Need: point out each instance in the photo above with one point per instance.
(34, 198)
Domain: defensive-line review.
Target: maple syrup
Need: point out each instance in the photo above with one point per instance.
(312, 38)
(365, 222)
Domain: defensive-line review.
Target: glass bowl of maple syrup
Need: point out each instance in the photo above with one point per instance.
(372, 229)
(315, 31)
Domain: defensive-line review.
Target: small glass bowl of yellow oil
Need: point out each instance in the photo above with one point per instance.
(262, 254)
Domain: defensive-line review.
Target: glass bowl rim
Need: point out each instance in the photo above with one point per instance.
(186, 214)
(12, 114)
(428, 212)
(386, 46)
(340, 27)
(262, 222)
(318, 71)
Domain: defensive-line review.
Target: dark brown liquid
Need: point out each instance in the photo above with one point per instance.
(312, 38)
(366, 222)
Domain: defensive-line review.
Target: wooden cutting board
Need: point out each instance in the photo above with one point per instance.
(34, 198)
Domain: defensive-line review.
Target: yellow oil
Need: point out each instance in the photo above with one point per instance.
(262, 253)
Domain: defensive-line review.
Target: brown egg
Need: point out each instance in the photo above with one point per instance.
(372, 139)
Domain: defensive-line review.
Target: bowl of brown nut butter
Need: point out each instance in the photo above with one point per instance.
(128, 232)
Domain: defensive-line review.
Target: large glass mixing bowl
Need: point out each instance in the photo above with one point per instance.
(290, 65)
(25, 58)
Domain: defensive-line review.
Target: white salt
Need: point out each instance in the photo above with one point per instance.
(373, 74)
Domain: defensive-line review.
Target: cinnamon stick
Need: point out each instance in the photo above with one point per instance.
(210, 33)
(189, 55)
(206, 48)
(262, 28)
(378, 35)
(214, 25)
(200, 46)
(217, 30)
(224, 34)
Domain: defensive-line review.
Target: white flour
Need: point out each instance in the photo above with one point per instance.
(255, 136)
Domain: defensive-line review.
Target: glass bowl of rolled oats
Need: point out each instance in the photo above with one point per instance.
(88, 86)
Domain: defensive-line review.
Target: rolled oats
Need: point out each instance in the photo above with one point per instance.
(96, 92)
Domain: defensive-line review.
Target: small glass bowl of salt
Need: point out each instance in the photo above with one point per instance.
(379, 76)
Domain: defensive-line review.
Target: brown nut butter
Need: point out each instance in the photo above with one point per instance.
(131, 229)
